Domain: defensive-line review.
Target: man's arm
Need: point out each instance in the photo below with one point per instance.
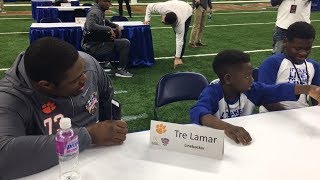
(25, 149)
(179, 40)
(276, 2)
(23, 154)
(106, 93)
(107, 131)
(93, 25)
(149, 10)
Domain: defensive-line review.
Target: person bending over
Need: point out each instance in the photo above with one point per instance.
(176, 14)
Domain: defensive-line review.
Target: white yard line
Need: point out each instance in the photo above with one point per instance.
(168, 27)
(219, 2)
(134, 117)
(142, 16)
(14, 18)
(9, 33)
(213, 54)
(227, 25)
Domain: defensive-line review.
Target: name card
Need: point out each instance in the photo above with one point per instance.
(65, 5)
(191, 138)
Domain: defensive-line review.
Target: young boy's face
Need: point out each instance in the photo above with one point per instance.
(241, 77)
(298, 49)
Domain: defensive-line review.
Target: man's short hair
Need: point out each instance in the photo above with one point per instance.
(228, 59)
(301, 30)
(48, 59)
(170, 18)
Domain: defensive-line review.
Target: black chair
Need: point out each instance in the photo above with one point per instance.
(178, 86)
(118, 18)
(50, 20)
(80, 13)
(255, 74)
(86, 4)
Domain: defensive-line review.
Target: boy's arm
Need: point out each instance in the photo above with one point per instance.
(274, 107)
(268, 71)
(207, 104)
(312, 90)
(315, 79)
(236, 133)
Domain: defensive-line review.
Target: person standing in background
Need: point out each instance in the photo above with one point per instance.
(289, 12)
(176, 14)
(121, 8)
(2, 7)
(199, 9)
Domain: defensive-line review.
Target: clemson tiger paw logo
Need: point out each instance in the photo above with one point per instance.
(48, 107)
(160, 128)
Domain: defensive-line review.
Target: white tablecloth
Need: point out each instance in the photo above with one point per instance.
(65, 8)
(286, 146)
(51, 25)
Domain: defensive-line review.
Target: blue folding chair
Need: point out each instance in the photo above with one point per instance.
(178, 86)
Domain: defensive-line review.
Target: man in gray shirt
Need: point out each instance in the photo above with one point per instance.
(52, 80)
(97, 24)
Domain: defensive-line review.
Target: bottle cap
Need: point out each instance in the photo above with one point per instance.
(65, 123)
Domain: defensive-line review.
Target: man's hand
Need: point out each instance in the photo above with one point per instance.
(119, 29)
(177, 61)
(113, 35)
(108, 132)
(238, 134)
(209, 10)
(146, 22)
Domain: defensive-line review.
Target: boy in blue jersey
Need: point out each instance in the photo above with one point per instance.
(292, 66)
(236, 95)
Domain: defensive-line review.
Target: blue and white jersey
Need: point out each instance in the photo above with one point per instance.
(278, 69)
(211, 100)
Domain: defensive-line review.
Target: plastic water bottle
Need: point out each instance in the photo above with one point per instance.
(67, 148)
